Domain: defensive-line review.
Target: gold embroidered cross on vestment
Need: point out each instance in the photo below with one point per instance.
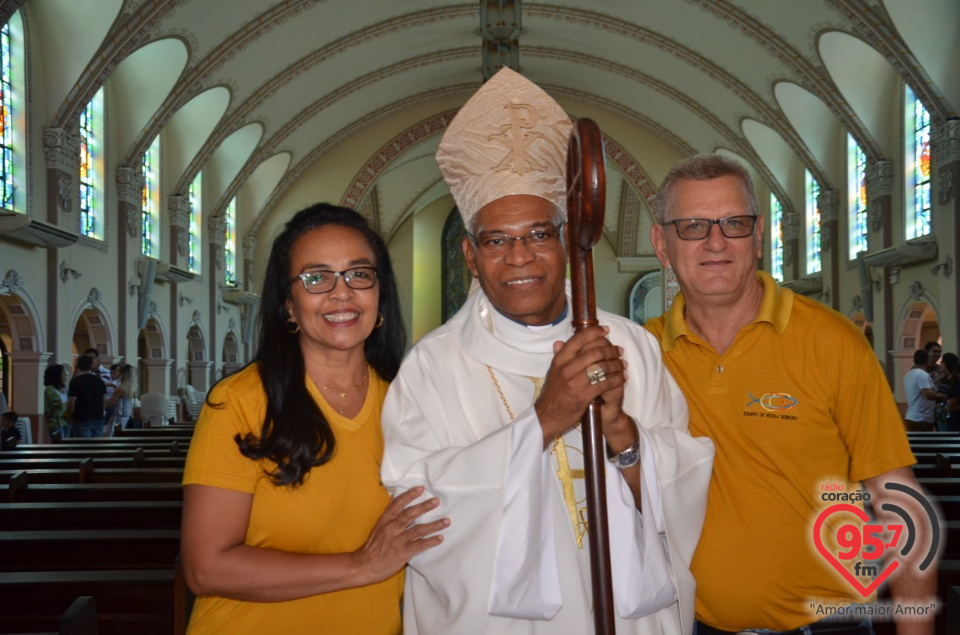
(564, 472)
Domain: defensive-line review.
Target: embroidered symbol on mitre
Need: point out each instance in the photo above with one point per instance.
(509, 138)
(517, 135)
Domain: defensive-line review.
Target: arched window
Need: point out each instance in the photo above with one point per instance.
(776, 238)
(150, 243)
(13, 156)
(230, 246)
(812, 193)
(917, 163)
(91, 168)
(856, 196)
(196, 223)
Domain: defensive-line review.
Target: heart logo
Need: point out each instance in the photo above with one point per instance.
(829, 557)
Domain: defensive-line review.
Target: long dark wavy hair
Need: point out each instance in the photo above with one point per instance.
(295, 435)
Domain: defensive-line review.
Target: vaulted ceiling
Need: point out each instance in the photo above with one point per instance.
(256, 93)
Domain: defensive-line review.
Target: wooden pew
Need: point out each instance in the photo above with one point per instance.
(162, 432)
(98, 475)
(28, 464)
(952, 613)
(138, 453)
(92, 492)
(89, 549)
(180, 444)
(100, 515)
(129, 602)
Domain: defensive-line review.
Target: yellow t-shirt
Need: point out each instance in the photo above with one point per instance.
(797, 403)
(332, 512)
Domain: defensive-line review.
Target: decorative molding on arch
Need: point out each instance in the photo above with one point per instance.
(294, 172)
(26, 331)
(635, 174)
(907, 316)
(91, 310)
(155, 335)
(196, 340)
(394, 149)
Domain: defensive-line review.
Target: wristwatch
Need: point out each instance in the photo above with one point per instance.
(629, 457)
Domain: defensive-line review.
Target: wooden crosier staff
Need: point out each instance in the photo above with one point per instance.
(586, 197)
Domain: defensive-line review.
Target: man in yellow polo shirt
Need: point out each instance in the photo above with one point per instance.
(794, 399)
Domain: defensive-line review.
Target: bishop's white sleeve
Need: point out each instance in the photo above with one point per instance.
(525, 579)
(526, 583)
(640, 562)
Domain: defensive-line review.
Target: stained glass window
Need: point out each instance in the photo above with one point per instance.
(230, 246)
(91, 167)
(776, 238)
(151, 200)
(196, 223)
(917, 161)
(856, 196)
(8, 154)
(812, 187)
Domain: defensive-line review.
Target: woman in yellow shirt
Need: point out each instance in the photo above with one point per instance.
(286, 525)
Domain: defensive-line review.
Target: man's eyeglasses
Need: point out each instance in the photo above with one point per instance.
(324, 280)
(699, 228)
(501, 244)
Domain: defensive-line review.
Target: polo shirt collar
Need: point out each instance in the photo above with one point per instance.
(775, 308)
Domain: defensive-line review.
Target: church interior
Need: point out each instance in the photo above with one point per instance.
(152, 149)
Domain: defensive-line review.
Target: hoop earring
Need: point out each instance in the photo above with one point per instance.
(379, 321)
(292, 330)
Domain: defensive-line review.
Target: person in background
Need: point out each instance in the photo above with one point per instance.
(286, 525)
(10, 436)
(85, 399)
(111, 385)
(934, 368)
(55, 399)
(922, 395)
(120, 403)
(99, 369)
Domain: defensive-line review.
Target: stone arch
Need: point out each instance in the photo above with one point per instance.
(18, 315)
(91, 330)
(231, 352)
(152, 360)
(917, 323)
(198, 366)
(23, 358)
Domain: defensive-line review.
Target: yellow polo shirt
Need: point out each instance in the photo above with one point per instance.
(332, 512)
(797, 403)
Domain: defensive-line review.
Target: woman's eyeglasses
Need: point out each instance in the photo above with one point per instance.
(325, 280)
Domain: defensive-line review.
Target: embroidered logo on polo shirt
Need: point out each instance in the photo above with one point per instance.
(774, 405)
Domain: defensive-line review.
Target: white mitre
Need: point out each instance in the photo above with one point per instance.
(509, 138)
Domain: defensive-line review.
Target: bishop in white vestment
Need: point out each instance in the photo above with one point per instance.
(483, 413)
(515, 557)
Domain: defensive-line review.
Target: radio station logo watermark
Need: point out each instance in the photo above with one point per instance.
(863, 551)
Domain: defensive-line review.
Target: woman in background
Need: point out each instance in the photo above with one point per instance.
(286, 525)
(120, 402)
(55, 399)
